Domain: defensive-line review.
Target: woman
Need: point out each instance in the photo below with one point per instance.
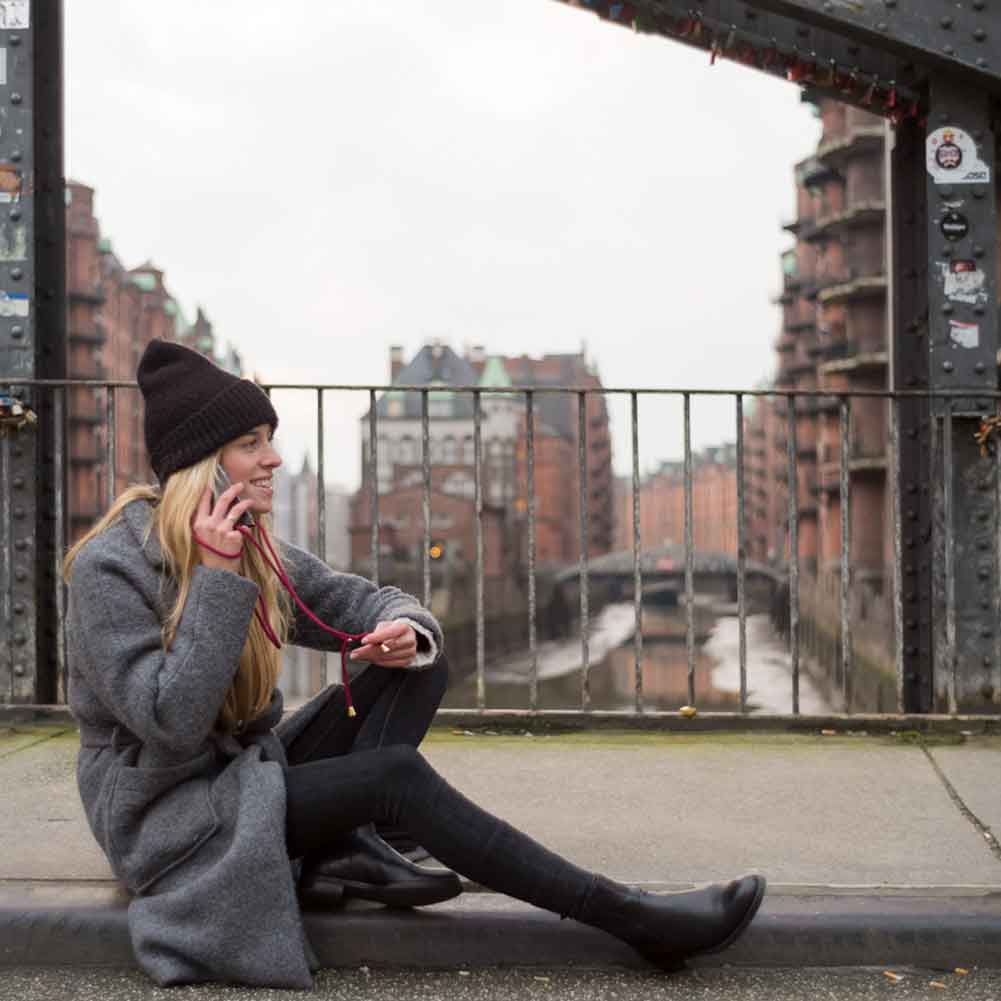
(208, 805)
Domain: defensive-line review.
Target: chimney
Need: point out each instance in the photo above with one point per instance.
(395, 361)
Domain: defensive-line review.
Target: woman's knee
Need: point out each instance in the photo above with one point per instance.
(402, 764)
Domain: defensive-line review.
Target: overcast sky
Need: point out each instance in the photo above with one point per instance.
(329, 179)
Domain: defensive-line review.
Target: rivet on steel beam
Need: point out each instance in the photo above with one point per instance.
(19, 512)
(911, 595)
(19, 608)
(946, 22)
(983, 546)
(979, 368)
(19, 670)
(983, 515)
(947, 251)
(948, 50)
(978, 309)
(947, 366)
(909, 543)
(912, 623)
(16, 155)
(979, 34)
(988, 661)
(978, 194)
(881, 26)
(21, 544)
(912, 488)
(985, 602)
(20, 574)
(981, 62)
(912, 651)
(978, 251)
(979, 4)
(20, 639)
(15, 97)
(17, 332)
(986, 631)
(15, 214)
(947, 308)
(983, 573)
(17, 273)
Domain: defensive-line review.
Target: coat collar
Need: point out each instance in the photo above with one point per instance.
(137, 516)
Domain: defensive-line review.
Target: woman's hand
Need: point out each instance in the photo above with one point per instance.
(390, 644)
(216, 526)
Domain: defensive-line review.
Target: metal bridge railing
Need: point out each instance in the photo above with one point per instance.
(790, 410)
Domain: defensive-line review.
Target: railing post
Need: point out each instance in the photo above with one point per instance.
(32, 337)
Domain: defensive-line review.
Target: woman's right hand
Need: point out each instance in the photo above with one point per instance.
(216, 526)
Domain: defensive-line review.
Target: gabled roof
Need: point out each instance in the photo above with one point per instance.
(434, 364)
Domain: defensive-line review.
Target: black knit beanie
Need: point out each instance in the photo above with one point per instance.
(193, 407)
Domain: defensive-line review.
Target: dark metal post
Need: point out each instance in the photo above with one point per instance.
(32, 334)
(962, 219)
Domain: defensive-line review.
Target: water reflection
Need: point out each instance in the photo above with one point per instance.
(664, 667)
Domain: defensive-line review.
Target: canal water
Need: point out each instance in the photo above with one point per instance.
(664, 667)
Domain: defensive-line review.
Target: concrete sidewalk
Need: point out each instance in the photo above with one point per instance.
(878, 850)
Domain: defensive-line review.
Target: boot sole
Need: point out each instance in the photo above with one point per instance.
(409, 895)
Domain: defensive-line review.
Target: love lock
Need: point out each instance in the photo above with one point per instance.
(14, 414)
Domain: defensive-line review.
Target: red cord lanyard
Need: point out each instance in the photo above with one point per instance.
(348, 640)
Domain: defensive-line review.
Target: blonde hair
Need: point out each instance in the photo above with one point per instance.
(173, 508)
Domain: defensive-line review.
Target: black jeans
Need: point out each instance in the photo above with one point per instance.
(347, 772)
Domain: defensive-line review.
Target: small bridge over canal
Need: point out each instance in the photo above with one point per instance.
(714, 576)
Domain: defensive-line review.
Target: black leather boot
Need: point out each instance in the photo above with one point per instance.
(365, 867)
(668, 927)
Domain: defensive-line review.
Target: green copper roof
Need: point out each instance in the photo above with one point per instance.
(146, 282)
(494, 373)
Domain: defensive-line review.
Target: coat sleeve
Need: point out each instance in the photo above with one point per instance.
(169, 698)
(352, 604)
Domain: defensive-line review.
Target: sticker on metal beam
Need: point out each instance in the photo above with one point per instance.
(952, 158)
(10, 183)
(965, 335)
(963, 281)
(14, 304)
(15, 14)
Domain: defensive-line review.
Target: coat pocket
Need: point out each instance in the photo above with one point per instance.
(158, 817)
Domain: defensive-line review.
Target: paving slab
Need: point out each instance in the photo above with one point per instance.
(649, 809)
(975, 772)
(800, 809)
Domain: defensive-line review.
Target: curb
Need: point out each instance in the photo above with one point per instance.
(55, 924)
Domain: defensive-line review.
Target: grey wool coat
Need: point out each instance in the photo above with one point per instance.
(193, 820)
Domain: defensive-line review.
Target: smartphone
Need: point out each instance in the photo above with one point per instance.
(223, 482)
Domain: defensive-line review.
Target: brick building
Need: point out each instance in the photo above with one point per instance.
(400, 476)
(113, 313)
(662, 504)
(834, 336)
